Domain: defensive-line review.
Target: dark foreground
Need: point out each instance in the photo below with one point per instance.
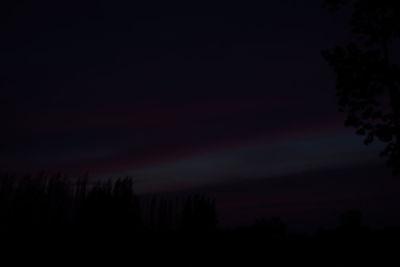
(53, 221)
(247, 247)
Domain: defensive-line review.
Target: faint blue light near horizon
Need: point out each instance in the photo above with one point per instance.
(257, 161)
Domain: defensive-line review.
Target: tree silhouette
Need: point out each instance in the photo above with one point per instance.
(199, 214)
(367, 73)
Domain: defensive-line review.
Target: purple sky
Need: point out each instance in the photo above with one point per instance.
(177, 99)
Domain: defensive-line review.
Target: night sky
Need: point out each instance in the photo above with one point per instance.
(232, 100)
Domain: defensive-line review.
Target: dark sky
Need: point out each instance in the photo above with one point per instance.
(179, 96)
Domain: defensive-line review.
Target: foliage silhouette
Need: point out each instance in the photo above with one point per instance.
(368, 75)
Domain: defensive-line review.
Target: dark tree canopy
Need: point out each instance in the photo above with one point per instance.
(368, 74)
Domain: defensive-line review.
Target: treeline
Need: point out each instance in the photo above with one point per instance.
(56, 202)
(76, 216)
